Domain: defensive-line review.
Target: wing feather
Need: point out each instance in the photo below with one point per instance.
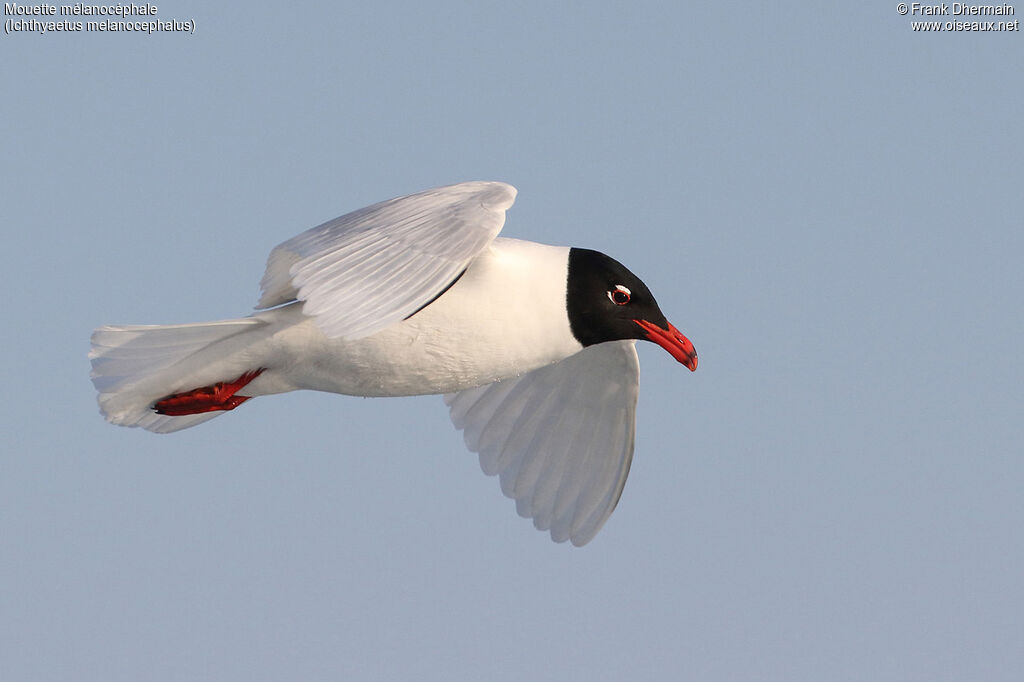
(368, 269)
(560, 437)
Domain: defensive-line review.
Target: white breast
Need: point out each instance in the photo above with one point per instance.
(506, 316)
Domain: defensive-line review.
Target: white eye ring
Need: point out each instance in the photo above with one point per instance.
(616, 295)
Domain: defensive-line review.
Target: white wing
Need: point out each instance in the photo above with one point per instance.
(560, 437)
(371, 268)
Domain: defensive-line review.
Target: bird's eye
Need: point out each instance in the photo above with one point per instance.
(619, 295)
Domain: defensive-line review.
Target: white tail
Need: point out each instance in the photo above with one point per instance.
(135, 366)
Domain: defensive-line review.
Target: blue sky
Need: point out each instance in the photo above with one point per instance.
(825, 201)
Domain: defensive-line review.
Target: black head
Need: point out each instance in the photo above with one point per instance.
(607, 302)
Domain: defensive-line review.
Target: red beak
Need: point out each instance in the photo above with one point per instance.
(673, 341)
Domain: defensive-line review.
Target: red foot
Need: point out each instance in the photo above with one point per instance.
(220, 396)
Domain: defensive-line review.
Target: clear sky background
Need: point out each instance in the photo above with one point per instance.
(826, 202)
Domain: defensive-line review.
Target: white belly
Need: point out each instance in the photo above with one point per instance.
(504, 317)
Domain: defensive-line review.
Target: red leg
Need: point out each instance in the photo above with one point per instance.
(220, 396)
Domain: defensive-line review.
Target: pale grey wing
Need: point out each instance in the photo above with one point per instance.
(371, 268)
(560, 437)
